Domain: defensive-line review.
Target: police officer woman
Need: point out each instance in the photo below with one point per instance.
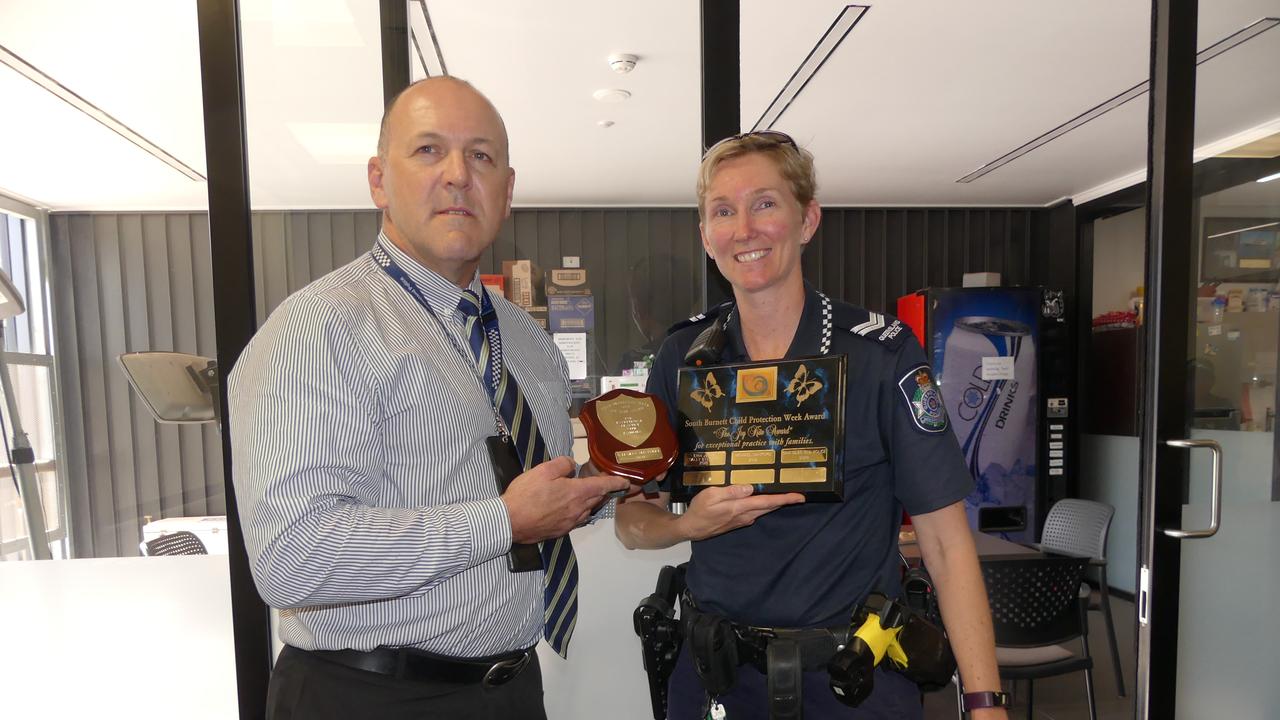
(773, 561)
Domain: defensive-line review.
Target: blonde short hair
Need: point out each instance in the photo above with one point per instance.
(794, 162)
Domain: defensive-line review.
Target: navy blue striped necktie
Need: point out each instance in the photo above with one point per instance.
(560, 589)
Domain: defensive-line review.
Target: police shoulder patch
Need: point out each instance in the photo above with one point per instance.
(924, 400)
(877, 327)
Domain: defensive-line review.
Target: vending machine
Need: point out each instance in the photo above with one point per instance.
(986, 346)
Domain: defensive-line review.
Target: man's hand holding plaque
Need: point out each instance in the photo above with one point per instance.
(629, 434)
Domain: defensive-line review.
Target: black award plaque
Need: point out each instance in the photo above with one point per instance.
(778, 426)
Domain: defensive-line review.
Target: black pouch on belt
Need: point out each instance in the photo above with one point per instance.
(786, 677)
(715, 652)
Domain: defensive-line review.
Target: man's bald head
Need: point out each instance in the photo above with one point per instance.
(427, 85)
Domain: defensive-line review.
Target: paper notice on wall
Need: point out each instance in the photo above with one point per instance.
(997, 368)
(573, 346)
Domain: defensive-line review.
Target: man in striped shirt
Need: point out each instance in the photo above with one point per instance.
(361, 415)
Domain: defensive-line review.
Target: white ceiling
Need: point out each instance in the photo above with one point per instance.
(920, 93)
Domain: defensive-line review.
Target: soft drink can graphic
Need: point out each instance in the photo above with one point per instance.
(992, 409)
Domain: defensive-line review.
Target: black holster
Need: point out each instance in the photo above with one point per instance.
(655, 622)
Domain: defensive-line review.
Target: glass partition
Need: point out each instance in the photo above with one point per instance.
(104, 233)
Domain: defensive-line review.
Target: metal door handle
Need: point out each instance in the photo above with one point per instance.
(1215, 493)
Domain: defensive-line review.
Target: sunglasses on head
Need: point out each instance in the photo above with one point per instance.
(779, 138)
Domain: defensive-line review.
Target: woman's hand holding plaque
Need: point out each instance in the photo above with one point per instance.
(629, 434)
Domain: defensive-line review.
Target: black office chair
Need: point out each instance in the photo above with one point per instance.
(1035, 609)
(175, 543)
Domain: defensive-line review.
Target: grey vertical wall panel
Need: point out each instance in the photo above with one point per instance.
(121, 283)
(873, 256)
(96, 440)
(212, 493)
(65, 306)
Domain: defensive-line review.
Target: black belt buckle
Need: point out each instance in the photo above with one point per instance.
(504, 671)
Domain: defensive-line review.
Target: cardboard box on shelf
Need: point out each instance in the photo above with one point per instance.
(494, 283)
(539, 313)
(567, 281)
(981, 279)
(524, 283)
(571, 313)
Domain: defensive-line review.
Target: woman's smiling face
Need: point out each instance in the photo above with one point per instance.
(754, 227)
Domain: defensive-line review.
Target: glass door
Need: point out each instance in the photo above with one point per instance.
(1210, 500)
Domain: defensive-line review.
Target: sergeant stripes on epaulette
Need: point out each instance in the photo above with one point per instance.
(875, 322)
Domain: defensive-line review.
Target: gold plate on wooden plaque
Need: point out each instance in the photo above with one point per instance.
(629, 419)
(641, 455)
(629, 434)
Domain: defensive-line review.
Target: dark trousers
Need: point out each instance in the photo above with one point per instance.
(893, 698)
(304, 687)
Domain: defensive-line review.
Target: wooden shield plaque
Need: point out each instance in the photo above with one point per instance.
(629, 434)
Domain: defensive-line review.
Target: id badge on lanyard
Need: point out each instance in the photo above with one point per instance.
(523, 557)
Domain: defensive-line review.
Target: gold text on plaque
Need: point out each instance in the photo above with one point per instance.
(802, 386)
(629, 419)
(753, 457)
(757, 384)
(709, 458)
(804, 455)
(641, 455)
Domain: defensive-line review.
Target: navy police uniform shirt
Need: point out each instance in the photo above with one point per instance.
(808, 565)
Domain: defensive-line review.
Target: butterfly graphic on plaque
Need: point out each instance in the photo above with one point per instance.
(802, 386)
(710, 391)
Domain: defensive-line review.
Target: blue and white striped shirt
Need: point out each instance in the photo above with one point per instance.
(366, 493)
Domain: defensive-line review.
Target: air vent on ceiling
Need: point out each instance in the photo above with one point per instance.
(811, 64)
(67, 95)
(421, 30)
(1236, 38)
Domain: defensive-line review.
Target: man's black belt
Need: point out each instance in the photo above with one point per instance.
(419, 665)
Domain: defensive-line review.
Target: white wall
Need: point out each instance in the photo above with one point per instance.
(151, 637)
(146, 637)
(1118, 246)
(1109, 474)
(604, 675)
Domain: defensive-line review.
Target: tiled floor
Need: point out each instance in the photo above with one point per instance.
(1063, 697)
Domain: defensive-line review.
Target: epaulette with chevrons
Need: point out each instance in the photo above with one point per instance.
(877, 327)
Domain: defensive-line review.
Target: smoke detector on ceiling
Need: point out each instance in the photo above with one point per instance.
(611, 95)
(622, 63)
